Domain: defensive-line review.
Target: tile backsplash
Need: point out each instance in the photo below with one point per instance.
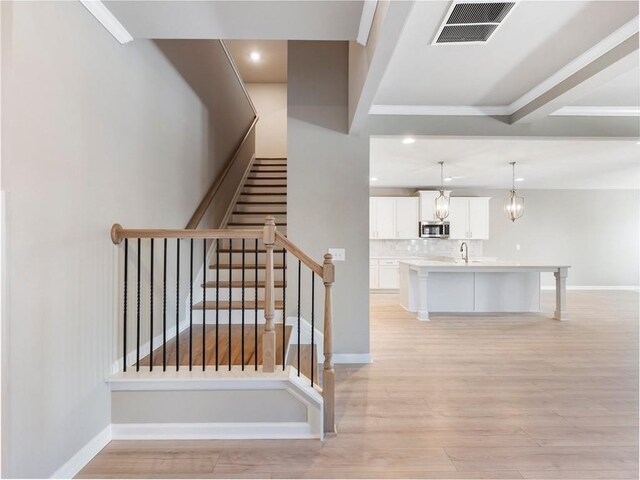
(428, 247)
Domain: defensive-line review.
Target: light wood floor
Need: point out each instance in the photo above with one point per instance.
(458, 397)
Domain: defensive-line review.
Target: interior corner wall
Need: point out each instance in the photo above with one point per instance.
(328, 182)
(94, 132)
(270, 100)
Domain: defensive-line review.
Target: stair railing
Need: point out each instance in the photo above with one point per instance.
(159, 300)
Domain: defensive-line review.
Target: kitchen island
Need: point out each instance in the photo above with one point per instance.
(429, 286)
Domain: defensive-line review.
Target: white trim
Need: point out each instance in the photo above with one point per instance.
(584, 111)
(108, 20)
(366, 21)
(359, 358)
(627, 30)
(211, 431)
(596, 287)
(438, 110)
(83, 456)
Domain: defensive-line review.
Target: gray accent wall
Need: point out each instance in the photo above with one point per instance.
(93, 132)
(328, 184)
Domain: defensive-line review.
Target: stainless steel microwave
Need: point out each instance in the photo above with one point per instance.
(434, 229)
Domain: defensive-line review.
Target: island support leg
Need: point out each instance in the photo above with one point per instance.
(561, 294)
(423, 313)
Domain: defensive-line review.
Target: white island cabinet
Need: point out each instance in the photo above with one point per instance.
(477, 287)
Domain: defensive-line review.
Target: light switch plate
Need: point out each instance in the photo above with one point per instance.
(338, 254)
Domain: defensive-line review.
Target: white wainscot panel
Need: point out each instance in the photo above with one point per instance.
(450, 292)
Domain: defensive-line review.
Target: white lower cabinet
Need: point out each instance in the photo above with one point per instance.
(384, 274)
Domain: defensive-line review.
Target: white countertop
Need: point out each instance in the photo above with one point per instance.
(480, 265)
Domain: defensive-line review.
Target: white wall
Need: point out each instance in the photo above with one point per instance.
(93, 133)
(597, 232)
(270, 100)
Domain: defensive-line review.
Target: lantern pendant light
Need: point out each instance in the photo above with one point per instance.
(514, 205)
(442, 201)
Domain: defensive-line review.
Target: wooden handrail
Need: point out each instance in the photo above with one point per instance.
(196, 218)
(299, 254)
(238, 76)
(118, 233)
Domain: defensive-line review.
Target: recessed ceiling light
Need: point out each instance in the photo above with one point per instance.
(255, 56)
(408, 140)
(373, 179)
(519, 179)
(448, 179)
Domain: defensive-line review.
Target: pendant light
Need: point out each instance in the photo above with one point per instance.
(442, 201)
(514, 205)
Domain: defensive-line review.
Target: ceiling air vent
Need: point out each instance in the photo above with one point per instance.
(472, 22)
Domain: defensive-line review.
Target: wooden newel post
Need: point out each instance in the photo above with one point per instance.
(269, 335)
(328, 377)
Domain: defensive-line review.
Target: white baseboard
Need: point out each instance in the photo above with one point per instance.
(352, 358)
(83, 456)
(631, 288)
(212, 431)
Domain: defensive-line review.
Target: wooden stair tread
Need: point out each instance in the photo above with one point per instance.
(249, 284)
(250, 250)
(260, 203)
(279, 194)
(257, 212)
(235, 305)
(253, 224)
(247, 265)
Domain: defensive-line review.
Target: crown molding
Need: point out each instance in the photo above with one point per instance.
(584, 111)
(438, 110)
(108, 20)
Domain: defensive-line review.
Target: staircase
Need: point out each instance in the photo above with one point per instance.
(238, 368)
(237, 269)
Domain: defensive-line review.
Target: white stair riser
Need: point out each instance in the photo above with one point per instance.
(248, 190)
(257, 218)
(260, 181)
(250, 257)
(261, 208)
(266, 175)
(247, 197)
(236, 274)
(236, 294)
(236, 317)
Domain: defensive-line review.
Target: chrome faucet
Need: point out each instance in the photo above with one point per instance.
(464, 251)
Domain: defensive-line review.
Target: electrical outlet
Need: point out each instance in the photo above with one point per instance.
(338, 254)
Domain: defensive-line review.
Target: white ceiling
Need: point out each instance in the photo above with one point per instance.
(483, 162)
(272, 66)
(623, 91)
(234, 19)
(536, 40)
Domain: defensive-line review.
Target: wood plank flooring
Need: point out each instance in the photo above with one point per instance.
(497, 397)
(223, 346)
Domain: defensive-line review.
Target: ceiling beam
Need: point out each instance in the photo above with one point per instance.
(611, 57)
(366, 21)
(367, 64)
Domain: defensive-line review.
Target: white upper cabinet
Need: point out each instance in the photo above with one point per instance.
(393, 217)
(428, 205)
(406, 217)
(469, 218)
